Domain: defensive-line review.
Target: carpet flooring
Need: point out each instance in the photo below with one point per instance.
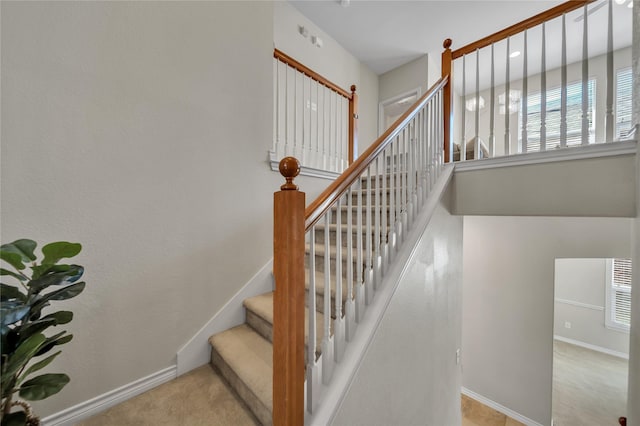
(199, 398)
(589, 387)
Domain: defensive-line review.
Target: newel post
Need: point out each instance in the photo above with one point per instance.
(447, 104)
(288, 301)
(353, 124)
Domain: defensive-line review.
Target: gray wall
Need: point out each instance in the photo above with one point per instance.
(409, 374)
(580, 299)
(125, 129)
(566, 188)
(507, 309)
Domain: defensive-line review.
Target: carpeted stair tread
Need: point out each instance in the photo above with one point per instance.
(320, 285)
(262, 306)
(245, 360)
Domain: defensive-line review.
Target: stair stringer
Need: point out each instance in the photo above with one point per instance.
(197, 351)
(331, 395)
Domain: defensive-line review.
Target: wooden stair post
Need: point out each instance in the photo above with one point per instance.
(353, 125)
(288, 301)
(447, 101)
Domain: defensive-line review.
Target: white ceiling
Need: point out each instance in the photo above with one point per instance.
(385, 34)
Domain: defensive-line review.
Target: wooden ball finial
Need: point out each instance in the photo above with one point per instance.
(447, 43)
(353, 88)
(289, 169)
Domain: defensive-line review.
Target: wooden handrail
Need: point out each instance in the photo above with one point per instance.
(538, 19)
(288, 299)
(281, 56)
(320, 205)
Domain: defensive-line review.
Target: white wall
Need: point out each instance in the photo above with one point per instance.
(507, 308)
(331, 61)
(140, 130)
(409, 374)
(580, 293)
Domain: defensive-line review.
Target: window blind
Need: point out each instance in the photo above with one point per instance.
(623, 102)
(621, 289)
(552, 122)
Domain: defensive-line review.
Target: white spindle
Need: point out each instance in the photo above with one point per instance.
(463, 144)
(476, 143)
(350, 314)
(377, 225)
(312, 370)
(585, 78)
(338, 323)
(525, 87)
(609, 106)
(327, 341)
(543, 92)
(383, 213)
(393, 182)
(492, 108)
(507, 101)
(359, 256)
(563, 86)
(368, 279)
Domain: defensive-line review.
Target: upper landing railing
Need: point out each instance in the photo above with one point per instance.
(314, 119)
(558, 79)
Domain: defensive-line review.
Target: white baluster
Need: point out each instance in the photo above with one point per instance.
(313, 372)
(327, 341)
(338, 323)
(349, 308)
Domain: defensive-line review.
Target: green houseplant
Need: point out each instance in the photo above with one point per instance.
(25, 347)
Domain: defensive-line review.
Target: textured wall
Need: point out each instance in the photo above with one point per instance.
(409, 374)
(125, 126)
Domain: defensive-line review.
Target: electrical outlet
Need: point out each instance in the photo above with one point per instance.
(567, 324)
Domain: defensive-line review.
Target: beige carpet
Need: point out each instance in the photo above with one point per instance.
(589, 388)
(198, 398)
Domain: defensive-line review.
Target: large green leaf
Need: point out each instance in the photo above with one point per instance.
(17, 418)
(62, 294)
(58, 250)
(13, 274)
(34, 327)
(61, 317)
(25, 351)
(63, 274)
(66, 293)
(11, 313)
(9, 292)
(43, 386)
(13, 259)
(51, 342)
(38, 366)
(24, 248)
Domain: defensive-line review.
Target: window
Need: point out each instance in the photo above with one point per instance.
(618, 297)
(623, 103)
(554, 104)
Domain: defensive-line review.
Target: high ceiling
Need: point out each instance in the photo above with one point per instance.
(385, 34)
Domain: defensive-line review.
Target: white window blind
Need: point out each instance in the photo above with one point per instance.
(623, 102)
(552, 122)
(619, 294)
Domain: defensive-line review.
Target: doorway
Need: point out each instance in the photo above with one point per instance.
(391, 109)
(591, 341)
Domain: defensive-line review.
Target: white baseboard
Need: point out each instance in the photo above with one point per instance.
(498, 407)
(84, 410)
(592, 347)
(197, 352)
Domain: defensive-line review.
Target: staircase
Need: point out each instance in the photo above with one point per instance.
(243, 355)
